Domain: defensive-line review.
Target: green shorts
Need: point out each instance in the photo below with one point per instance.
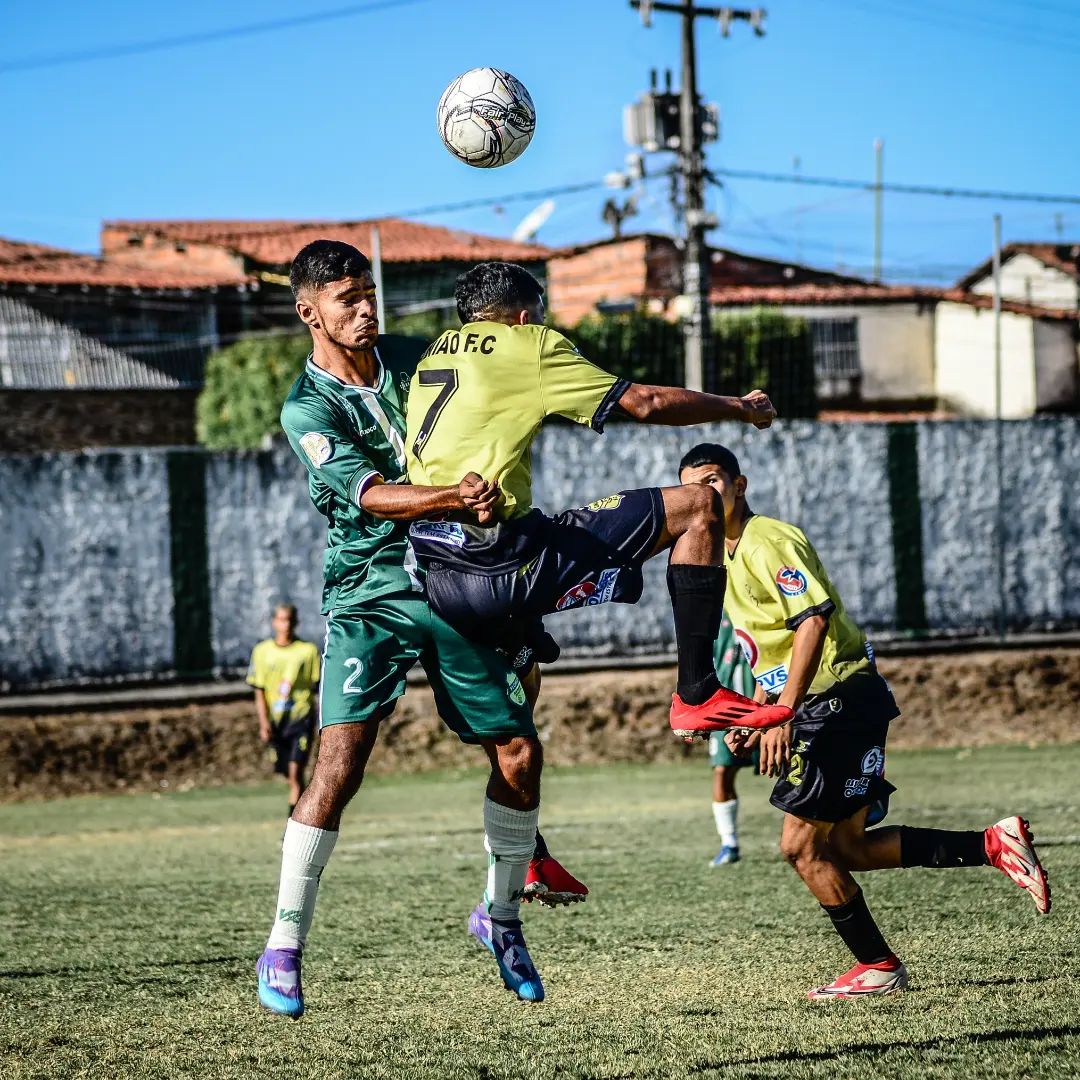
(370, 648)
(719, 754)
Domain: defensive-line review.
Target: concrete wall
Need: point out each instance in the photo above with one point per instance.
(965, 361)
(904, 516)
(896, 346)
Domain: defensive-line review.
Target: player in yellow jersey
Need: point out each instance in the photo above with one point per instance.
(806, 652)
(479, 396)
(285, 673)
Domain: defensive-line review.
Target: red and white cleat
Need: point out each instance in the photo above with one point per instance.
(865, 980)
(1011, 848)
(723, 711)
(548, 882)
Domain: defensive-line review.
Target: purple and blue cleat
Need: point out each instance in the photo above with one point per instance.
(507, 943)
(726, 855)
(279, 982)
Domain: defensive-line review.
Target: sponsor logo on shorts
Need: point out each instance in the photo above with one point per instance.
(590, 593)
(790, 581)
(438, 532)
(771, 681)
(514, 690)
(609, 502)
(318, 448)
(748, 646)
(873, 761)
(857, 785)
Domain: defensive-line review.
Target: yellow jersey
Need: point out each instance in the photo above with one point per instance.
(478, 399)
(775, 582)
(286, 675)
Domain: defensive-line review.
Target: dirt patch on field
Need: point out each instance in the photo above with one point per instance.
(954, 699)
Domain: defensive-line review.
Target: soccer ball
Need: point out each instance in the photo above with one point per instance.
(486, 118)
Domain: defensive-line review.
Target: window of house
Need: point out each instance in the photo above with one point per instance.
(836, 348)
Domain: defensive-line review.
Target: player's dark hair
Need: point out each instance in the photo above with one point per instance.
(323, 261)
(710, 453)
(494, 289)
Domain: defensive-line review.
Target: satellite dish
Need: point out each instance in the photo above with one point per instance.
(531, 222)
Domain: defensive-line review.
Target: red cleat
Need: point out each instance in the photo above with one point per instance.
(549, 883)
(865, 980)
(723, 711)
(1011, 848)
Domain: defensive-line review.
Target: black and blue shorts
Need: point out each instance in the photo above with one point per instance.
(580, 558)
(838, 752)
(291, 742)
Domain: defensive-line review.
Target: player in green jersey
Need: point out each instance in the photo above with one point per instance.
(477, 401)
(344, 418)
(807, 652)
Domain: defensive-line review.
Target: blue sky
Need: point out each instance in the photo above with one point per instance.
(335, 120)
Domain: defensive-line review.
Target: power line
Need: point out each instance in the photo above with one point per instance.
(902, 189)
(473, 204)
(106, 52)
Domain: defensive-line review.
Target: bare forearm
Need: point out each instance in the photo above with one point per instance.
(805, 660)
(260, 709)
(407, 502)
(678, 407)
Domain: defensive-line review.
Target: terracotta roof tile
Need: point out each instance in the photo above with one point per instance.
(274, 243)
(37, 264)
(1063, 257)
(821, 294)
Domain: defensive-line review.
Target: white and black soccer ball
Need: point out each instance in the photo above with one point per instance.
(486, 118)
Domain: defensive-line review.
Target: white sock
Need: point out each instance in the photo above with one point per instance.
(510, 840)
(305, 850)
(725, 814)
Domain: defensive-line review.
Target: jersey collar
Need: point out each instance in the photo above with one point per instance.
(321, 373)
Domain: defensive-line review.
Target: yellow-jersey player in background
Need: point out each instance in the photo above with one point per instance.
(285, 673)
(479, 396)
(807, 653)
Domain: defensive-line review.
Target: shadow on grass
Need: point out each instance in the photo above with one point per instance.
(104, 969)
(1005, 1035)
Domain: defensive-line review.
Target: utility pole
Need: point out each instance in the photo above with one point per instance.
(879, 173)
(692, 168)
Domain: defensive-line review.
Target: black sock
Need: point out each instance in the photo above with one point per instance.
(541, 851)
(941, 849)
(856, 926)
(697, 601)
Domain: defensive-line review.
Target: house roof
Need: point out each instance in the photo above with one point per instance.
(36, 264)
(828, 294)
(1063, 257)
(274, 243)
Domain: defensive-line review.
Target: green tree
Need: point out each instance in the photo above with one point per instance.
(244, 387)
(635, 346)
(767, 349)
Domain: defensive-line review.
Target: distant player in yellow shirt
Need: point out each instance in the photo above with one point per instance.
(479, 396)
(807, 653)
(285, 673)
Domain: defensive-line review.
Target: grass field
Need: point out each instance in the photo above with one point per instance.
(131, 926)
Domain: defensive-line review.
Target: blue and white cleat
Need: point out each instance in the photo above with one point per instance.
(725, 855)
(279, 982)
(507, 943)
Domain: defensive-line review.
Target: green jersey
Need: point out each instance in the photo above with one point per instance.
(347, 436)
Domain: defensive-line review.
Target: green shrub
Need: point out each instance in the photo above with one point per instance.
(243, 390)
(767, 349)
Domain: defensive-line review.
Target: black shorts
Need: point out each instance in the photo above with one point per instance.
(291, 742)
(838, 751)
(579, 558)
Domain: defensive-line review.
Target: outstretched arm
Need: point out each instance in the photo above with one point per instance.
(411, 502)
(678, 407)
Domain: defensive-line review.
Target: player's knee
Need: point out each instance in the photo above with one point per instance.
(521, 761)
(799, 848)
(706, 508)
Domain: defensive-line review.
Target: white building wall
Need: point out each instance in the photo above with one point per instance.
(964, 343)
(1025, 278)
(896, 347)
